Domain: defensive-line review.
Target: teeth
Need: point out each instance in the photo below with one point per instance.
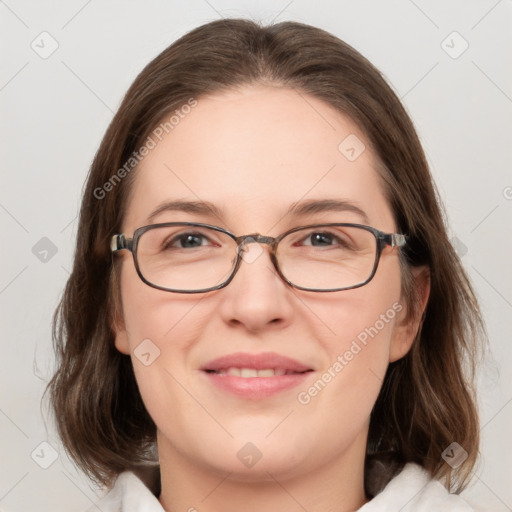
(266, 373)
(249, 373)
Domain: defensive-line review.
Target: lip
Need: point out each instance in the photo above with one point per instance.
(255, 387)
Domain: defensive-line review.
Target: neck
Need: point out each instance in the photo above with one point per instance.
(337, 486)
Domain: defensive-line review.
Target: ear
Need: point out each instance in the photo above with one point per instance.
(121, 341)
(119, 328)
(117, 319)
(409, 322)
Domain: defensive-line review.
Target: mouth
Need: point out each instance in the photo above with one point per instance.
(250, 373)
(255, 376)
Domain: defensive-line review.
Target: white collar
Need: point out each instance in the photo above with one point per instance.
(413, 490)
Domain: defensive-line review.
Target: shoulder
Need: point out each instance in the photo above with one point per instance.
(414, 490)
(129, 494)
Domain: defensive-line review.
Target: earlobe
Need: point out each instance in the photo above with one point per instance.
(121, 342)
(409, 323)
(117, 321)
(120, 334)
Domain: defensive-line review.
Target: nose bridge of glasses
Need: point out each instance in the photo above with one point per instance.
(255, 238)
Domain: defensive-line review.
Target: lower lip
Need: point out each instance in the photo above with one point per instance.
(256, 388)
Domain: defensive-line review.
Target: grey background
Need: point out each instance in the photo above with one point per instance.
(54, 111)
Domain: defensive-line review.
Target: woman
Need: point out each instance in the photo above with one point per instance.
(291, 326)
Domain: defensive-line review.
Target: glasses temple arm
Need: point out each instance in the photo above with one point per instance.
(119, 242)
(396, 240)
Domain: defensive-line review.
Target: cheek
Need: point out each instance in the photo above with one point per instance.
(153, 314)
(160, 329)
(358, 356)
(363, 314)
(338, 401)
(342, 396)
(356, 335)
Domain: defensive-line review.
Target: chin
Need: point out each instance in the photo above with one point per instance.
(253, 459)
(270, 467)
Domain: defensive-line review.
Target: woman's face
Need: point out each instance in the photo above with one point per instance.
(254, 153)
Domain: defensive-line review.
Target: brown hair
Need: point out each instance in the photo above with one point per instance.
(427, 398)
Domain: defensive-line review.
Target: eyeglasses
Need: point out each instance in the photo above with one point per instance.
(189, 257)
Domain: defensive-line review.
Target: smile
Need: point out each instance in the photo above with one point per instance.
(255, 376)
(249, 373)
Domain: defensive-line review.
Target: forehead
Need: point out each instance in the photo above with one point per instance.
(255, 151)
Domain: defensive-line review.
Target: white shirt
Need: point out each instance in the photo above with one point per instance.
(412, 490)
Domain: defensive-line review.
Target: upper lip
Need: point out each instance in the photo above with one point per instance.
(259, 361)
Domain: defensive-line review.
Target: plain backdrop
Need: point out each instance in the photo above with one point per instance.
(65, 66)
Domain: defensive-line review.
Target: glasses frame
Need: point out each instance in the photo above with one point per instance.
(120, 242)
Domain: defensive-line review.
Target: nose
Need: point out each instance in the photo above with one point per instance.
(257, 298)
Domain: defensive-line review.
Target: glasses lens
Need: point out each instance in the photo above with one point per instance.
(185, 258)
(327, 257)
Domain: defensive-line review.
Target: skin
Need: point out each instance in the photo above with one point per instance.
(253, 152)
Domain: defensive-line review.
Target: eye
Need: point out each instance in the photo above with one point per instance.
(319, 239)
(186, 241)
(323, 239)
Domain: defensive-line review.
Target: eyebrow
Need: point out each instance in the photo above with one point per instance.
(197, 207)
(326, 205)
(300, 208)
